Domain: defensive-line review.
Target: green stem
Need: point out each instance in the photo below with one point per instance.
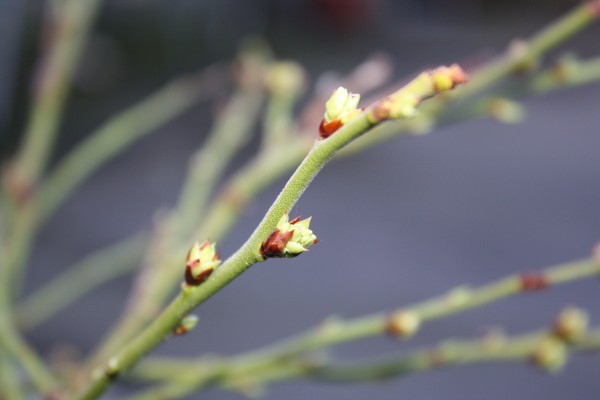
(335, 332)
(16, 347)
(10, 386)
(240, 261)
(79, 279)
(70, 30)
(488, 75)
(229, 134)
(123, 130)
(449, 353)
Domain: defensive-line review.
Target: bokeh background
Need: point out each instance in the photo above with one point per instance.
(398, 223)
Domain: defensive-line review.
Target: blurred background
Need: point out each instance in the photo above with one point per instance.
(465, 205)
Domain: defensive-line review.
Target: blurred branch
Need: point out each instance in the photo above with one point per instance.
(567, 73)
(10, 388)
(519, 55)
(79, 279)
(229, 134)
(449, 353)
(68, 27)
(18, 350)
(184, 377)
(123, 130)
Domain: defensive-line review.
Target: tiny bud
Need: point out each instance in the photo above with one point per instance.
(506, 111)
(594, 8)
(341, 107)
(518, 49)
(285, 78)
(289, 239)
(403, 103)
(533, 282)
(549, 355)
(201, 261)
(566, 68)
(112, 369)
(571, 324)
(188, 323)
(403, 324)
(446, 78)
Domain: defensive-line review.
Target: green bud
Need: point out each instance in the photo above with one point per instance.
(550, 355)
(571, 324)
(341, 104)
(289, 239)
(188, 323)
(403, 324)
(201, 261)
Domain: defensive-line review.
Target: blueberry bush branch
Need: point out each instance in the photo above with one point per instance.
(270, 165)
(34, 195)
(398, 105)
(183, 377)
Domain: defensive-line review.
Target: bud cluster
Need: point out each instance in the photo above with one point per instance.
(341, 107)
(289, 239)
(201, 261)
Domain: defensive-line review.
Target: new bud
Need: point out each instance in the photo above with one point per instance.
(341, 107)
(188, 323)
(201, 261)
(289, 239)
(549, 355)
(403, 324)
(571, 324)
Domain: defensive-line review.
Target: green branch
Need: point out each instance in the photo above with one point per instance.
(70, 27)
(185, 377)
(79, 279)
(323, 150)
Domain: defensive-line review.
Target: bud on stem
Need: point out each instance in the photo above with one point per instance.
(289, 239)
(201, 261)
(404, 102)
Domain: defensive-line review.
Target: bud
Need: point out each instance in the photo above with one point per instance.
(289, 239)
(285, 78)
(506, 111)
(341, 107)
(403, 324)
(188, 323)
(403, 103)
(201, 261)
(571, 324)
(549, 355)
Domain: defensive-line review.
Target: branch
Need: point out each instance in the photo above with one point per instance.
(450, 353)
(397, 105)
(69, 29)
(77, 280)
(122, 130)
(187, 376)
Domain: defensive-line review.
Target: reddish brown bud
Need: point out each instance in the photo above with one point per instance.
(326, 129)
(275, 243)
(533, 282)
(594, 8)
(201, 261)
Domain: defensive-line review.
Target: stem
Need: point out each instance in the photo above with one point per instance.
(70, 30)
(248, 254)
(488, 75)
(10, 387)
(230, 133)
(19, 350)
(123, 130)
(79, 279)
(450, 353)
(335, 332)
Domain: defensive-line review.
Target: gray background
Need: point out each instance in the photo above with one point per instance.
(466, 205)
